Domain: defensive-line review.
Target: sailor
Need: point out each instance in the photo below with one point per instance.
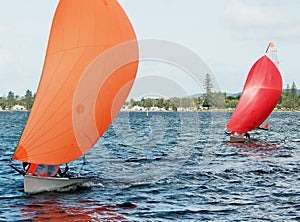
(247, 135)
(44, 170)
(237, 134)
(64, 172)
(26, 166)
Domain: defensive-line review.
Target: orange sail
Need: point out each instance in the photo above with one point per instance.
(90, 65)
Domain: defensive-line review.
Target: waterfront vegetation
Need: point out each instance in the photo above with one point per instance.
(289, 101)
(11, 100)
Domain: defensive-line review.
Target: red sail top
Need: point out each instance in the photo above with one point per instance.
(260, 95)
(87, 75)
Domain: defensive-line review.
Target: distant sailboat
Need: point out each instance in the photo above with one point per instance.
(82, 87)
(260, 95)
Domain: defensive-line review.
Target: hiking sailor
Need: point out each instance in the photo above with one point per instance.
(246, 135)
(44, 170)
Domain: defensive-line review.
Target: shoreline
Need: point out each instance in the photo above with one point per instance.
(171, 111)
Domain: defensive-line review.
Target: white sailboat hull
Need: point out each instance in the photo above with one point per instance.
(236, 139)
(37, 184)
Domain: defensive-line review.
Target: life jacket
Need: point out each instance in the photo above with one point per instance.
(43, 170)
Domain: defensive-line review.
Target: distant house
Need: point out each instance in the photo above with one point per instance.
(186, 109)
(18, 107)
(138, 108)
(157, 109)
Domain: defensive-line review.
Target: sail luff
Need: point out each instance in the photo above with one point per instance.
(271, 52)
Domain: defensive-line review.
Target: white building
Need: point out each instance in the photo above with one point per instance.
(18, 107)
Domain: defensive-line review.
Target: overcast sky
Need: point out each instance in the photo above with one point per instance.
(229, 35)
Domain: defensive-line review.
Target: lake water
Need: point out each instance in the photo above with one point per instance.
(166, 167)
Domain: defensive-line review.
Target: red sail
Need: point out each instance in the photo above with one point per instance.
(260, 95)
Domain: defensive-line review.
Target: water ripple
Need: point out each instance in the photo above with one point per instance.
(165, 167)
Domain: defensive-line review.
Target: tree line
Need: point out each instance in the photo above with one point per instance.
(7, 102)
(289, 100)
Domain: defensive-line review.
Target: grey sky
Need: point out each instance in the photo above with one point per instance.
(228, 34)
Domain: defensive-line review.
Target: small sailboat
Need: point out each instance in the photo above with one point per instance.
(260, 95)
(89, 69)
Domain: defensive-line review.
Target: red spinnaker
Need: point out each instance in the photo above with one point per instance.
(260, 95)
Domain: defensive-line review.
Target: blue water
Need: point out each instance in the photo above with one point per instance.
(166, 167)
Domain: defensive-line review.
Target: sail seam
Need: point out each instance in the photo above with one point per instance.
(67, 97)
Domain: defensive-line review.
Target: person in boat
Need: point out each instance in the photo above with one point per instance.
(44, 170)
(238, 134)
(247, 135)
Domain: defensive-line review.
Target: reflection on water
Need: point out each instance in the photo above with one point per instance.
(37, 209)
(256, 150)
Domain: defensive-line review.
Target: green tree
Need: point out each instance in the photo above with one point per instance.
(187, 102)
(218, 100)
(159, 102)
(196, 103)
(148, 102)
(28, 99)
(288, 103)
(11, 101)
(3, 102)
(200, 101)
(231, 103)
(288, 90)
(208, 87)
(176, 101)
(131, 103)
(208, 84)
(167, 104)
(293, 92)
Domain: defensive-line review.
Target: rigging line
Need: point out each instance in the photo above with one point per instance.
(83, 164)
(268, 47)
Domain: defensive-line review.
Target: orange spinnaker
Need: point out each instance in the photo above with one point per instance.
(260, 95)
(87, 45)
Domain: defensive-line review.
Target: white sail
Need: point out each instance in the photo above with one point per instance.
(271, 52)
